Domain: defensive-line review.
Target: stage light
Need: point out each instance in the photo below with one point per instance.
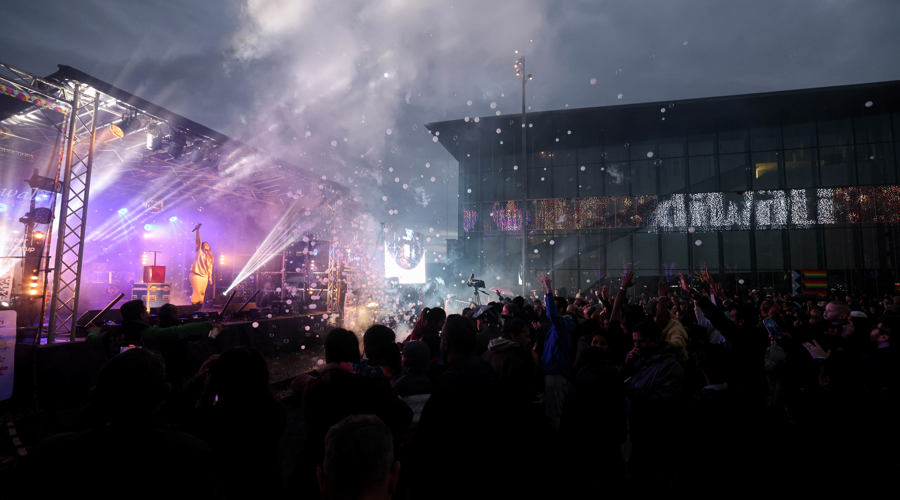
(33, 291)
(199, 152)
(38, 235)
(124, 126)
(173, 219)
(176, 144)
(154, 137)
(3, 207)
(123, 211)
(149, 227)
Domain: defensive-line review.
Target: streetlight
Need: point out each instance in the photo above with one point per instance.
(519, 66)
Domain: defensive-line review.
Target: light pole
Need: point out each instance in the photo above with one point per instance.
(520, 72)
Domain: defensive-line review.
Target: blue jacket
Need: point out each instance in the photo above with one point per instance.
(556, 357)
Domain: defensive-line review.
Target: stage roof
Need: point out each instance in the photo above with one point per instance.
(188, 160)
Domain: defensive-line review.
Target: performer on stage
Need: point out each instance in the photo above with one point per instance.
(201, 270)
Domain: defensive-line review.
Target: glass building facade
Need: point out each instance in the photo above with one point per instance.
(791, 191)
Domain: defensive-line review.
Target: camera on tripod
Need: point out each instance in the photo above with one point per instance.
(474, 283)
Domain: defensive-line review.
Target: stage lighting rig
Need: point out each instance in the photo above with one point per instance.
(177, 142)
(154, 136)
(128, 123)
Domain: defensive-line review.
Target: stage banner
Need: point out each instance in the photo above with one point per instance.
(6, 284)
(7, 353)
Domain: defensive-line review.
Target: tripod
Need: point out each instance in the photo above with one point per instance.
(475, 297)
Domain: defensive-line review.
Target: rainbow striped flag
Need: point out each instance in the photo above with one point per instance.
(815, 281)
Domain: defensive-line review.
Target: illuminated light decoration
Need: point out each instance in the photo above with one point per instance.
(35, 99)
(814, 281)
(766, 209)
(470, 219)
(506, 217)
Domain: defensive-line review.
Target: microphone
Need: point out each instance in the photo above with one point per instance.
(196, 227)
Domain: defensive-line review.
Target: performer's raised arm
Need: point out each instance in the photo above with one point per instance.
(199, 241)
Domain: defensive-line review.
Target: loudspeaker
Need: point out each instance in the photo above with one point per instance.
(113, 315)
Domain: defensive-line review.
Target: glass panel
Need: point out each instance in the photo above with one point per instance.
(539, 184)
(646, 253)
(804, 249)
(736, 250)
(566, 281)
(799, 135)
(565, 251)
(703, 174)
(616, 178)
(616, 152)
(538, 252)
(734, 141)
(835, 133)
(769, 252)
(765, 139)
(674, 251)
(618, 252)
(799, 168)
(591, 154)
(672, 175)
(704, 144)
(766, 170)
(875, 164)
(672, 148)
(593, 251)
(872, 128)
(834, 166)
(874, 246)
(540, 159)
(705, 251)
(512, 183)
(643, 150)
(565, 182)
(587, 277)
(839, 248)
(590, 180)
(733, 170)
(643, 177)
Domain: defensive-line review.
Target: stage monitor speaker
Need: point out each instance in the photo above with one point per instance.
(113, 315)
(182, 310)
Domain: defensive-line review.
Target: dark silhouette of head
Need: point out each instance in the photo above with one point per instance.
(458, 338)
(130, 387)
(168, 315)
(379, 341)
(416, 355)
(239, 373)
(359, 460)
(435, 318)
(341, 345)
(133, 310)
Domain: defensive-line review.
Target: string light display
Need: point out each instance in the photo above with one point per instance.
(760, 210)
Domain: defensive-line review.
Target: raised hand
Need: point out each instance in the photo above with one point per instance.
(628, 279)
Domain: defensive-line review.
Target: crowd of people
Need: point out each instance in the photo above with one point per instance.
(563, 395)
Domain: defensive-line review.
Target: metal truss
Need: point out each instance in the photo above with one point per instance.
(80, 136)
